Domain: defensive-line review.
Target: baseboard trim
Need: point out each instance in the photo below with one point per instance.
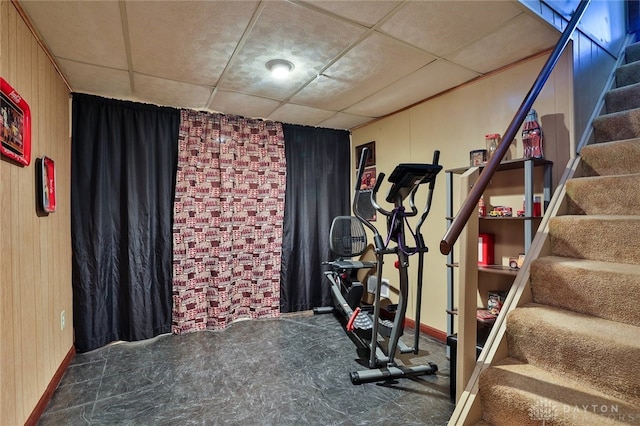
(429, 331)
(48, 393)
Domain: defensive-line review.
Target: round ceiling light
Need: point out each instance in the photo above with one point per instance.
(280, 68)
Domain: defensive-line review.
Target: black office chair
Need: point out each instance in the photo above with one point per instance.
(347, 239)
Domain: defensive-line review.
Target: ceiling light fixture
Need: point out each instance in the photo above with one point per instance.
(280, 68)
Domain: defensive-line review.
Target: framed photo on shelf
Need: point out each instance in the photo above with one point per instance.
(46, 178)
(15, 125)
(371, 159)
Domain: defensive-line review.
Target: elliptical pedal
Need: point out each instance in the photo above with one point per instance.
(359, 320)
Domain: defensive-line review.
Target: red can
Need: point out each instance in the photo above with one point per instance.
(485, 249)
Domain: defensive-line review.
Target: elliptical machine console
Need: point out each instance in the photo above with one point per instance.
(348, 239)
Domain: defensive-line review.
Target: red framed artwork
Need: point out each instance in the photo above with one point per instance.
(15, 125)
(46, 184)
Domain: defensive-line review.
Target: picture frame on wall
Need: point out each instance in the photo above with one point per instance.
(371, 159)
(46, 178)
(368, 179)
(15, 125)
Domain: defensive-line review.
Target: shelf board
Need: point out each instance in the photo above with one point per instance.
(498, 269)
(509, 217)
(501, 217)
(518, 163)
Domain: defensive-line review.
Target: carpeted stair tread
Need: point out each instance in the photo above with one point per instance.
(596, 237)
(611, 158)
(606, 195)
(632, 53)
(602, 289)
(516, 393)
(628, 74)
(617, 126)
(600, 353)
(623, 98)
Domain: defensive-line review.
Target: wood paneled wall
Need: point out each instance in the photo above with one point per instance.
(35, 274)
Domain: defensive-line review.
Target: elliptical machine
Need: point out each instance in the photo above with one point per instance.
(348, 239)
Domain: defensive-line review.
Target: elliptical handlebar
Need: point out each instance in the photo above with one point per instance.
(374, 196)
(432, 184)
(363, 159)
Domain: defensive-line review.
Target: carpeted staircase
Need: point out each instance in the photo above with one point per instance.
(574, 353)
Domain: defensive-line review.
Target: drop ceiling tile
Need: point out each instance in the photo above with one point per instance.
(440, 27)
(241, 104)
(422, 84)
(297, 114)
(308, 39)
(344, 121)
(171, 93)
(370, 66)
(82, 31)
(186, 41)
(363, 12)
(107, 82)
(521, 37)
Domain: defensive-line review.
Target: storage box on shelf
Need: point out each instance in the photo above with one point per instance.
(503, 234)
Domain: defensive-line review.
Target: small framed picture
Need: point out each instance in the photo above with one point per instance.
(371, 158)
(368, 179)
(15, 125)
(46, 177)
(477, 157)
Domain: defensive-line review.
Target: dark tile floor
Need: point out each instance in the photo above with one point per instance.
(290, 371)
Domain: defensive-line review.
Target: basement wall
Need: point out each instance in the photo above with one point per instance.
(35, 252)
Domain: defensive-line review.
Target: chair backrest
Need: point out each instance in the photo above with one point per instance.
(347, 237)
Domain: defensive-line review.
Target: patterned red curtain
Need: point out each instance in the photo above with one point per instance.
(228, 216)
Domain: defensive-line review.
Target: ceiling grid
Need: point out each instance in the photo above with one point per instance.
(354, 61)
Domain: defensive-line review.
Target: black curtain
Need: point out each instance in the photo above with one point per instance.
(123, 168)
(318, 172)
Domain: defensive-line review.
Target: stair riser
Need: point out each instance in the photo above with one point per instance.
(623, 99)
(611, 365)
(606, 195)
(628, 74)
(612, 158)
(617, 126)
(601, 293)
(608, 239)
(632, 53)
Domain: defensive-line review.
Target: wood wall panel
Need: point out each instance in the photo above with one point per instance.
(35, 275)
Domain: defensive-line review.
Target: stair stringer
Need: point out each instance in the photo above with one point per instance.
(468, 409)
